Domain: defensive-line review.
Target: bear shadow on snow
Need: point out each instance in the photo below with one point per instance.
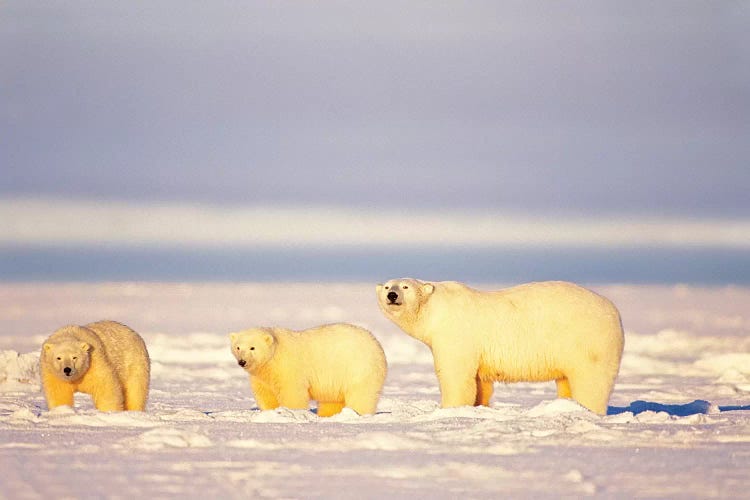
(696, 407)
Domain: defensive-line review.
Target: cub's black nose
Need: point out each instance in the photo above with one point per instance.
(392, 296)
(241, 362)
(67, 370)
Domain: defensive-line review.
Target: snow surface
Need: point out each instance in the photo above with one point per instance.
(678, 424)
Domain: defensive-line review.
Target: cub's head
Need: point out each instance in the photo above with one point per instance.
(402, 298)
(253, 348)
(68, 360)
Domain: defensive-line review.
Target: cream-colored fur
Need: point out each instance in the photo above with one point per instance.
(106, 360)
(533, 332)
(338, 365)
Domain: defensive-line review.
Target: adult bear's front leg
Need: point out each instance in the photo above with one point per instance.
(456, 372)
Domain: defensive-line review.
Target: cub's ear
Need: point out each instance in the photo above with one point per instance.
(233, 336)
(268, 338)
(427, 289)
(379, 287)
(85, 346)
(48, 346)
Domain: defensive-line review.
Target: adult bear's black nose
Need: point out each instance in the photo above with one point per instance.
(392, 296)
(242, 362)
(67, 370)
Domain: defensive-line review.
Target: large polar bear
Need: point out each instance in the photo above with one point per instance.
(106, 359)
(336, 365)
(533, 332)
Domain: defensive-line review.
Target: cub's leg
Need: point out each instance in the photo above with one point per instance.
(364, 395)
(363, 400)
(326, 409)
(294, 398)
(105, 389)
(484, 392)
(108, 398)
(265, 397)
(136, 394)
(57, 393)
(563, 388)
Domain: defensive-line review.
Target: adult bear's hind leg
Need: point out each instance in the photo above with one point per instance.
(591, 390)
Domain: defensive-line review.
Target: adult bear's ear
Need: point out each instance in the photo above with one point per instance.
(427, 289)
(84, 346)
(48, 346)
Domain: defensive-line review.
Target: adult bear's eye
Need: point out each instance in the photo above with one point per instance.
(59, 358)
(238, 348)
(252, 348)
(75, 357)
(404, 287)
(387, 287)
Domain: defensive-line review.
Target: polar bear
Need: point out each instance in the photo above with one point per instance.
(534, 332)
(336, 365)
(106, 360)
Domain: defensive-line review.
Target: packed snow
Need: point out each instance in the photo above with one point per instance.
(678, 423)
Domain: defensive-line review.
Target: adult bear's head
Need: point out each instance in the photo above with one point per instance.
(401, 299)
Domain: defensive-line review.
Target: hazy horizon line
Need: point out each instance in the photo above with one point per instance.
(63, 222)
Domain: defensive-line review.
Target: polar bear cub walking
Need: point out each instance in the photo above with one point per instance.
(337, 365)
(533, 332)
(106, 359)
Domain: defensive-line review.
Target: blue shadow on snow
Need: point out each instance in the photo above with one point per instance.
(696, 407)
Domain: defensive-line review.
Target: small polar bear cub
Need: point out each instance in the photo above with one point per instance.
(337, 365)
(534, 332)
(106, 360)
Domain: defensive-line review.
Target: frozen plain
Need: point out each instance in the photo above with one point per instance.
(678, 425)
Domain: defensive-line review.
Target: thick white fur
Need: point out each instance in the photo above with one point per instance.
(106, 359)
(533, 332)
(336, 365)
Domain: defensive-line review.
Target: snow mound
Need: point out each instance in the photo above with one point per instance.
(384, 441)
(23, 416)
(555, 407)
(180, 373)
(257, 444)
(406, 351)
(283, 415)
(168, 437)
(19, 372)
(346, 415)
(430, 411)
(721, 364)
(64, 416)
(186, 415)
(733, 376)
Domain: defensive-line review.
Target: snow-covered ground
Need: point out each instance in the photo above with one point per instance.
(678, 425)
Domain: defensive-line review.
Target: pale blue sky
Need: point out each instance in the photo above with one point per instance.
(543, 108)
